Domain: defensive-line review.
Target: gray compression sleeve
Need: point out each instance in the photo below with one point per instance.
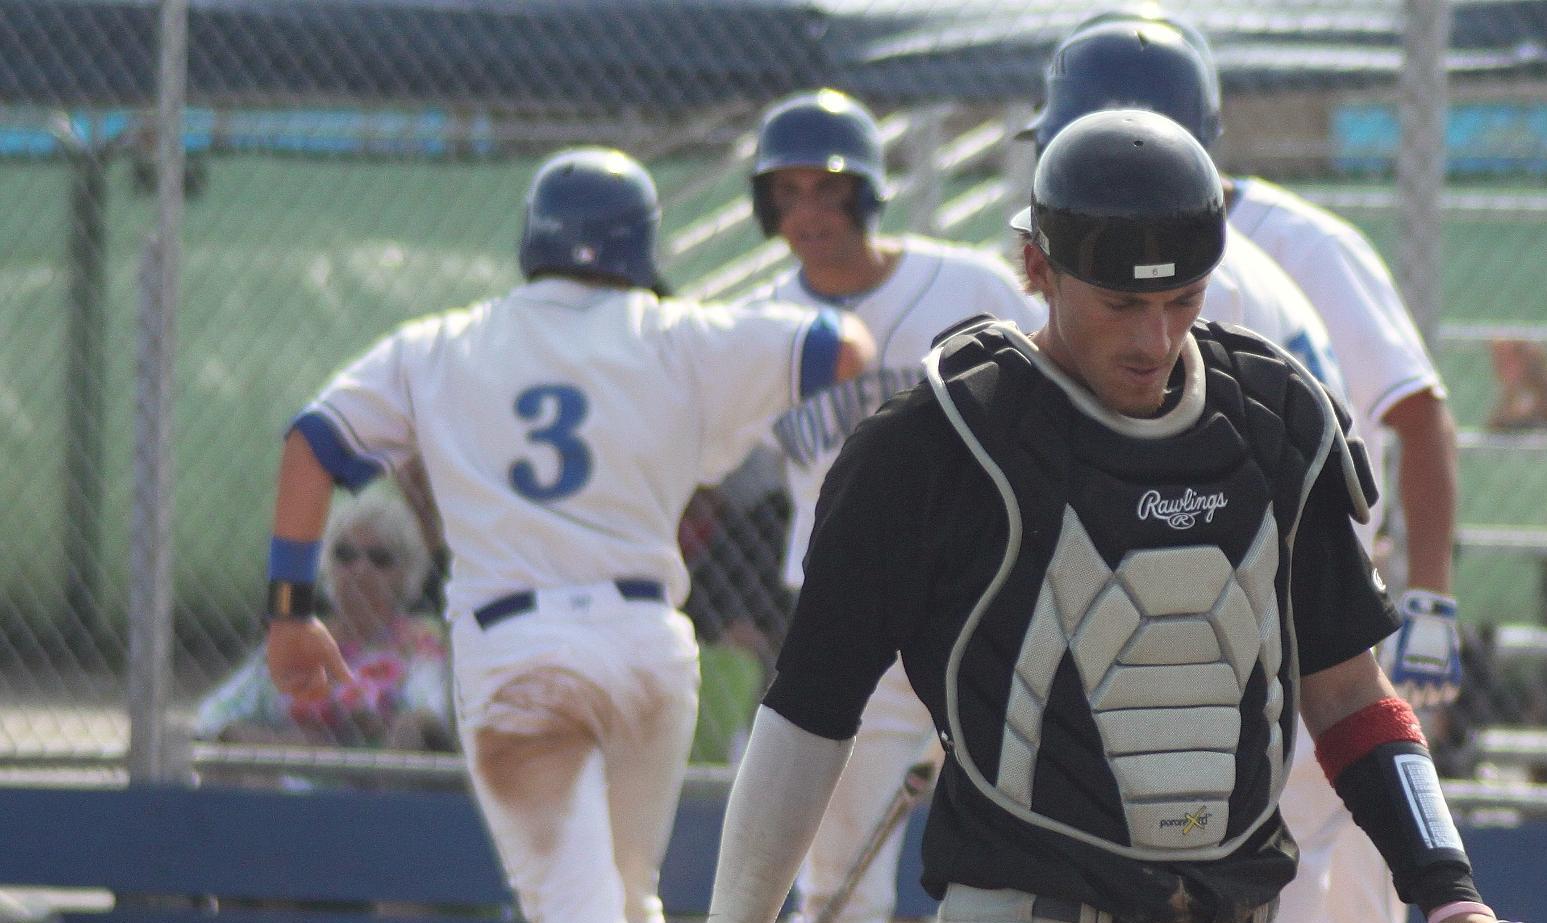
(776, 803)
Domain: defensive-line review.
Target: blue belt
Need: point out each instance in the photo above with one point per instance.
(525, 601)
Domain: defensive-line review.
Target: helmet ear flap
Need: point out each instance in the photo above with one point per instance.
(762, 204)
(864, 206)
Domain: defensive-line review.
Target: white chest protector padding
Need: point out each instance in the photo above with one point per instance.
(1164, 646)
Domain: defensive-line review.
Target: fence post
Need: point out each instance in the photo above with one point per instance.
(925, 182)
(154, 755)
(83, 386)
(1423, 107)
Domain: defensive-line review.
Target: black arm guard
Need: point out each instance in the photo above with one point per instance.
(1394, 794)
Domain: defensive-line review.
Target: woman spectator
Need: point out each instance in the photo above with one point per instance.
(373, 572)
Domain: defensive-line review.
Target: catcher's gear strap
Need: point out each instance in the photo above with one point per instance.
(1350, 453)
(1362, 476)
(1349, 450)
(1379, 765)
(970, 325)
(780, 794)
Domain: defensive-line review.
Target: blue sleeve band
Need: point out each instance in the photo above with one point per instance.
(348, 470)
(819, 354)
(293, 562)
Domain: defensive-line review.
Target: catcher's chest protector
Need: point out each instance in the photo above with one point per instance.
(1128, 677)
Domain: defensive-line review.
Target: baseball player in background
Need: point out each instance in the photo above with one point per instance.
(1146, 58)
(1116, 557)
(819, 182)
(562, 429)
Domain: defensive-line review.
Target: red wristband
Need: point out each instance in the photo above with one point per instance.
(1387, 721)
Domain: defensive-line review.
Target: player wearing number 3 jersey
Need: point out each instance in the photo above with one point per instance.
(563, 428)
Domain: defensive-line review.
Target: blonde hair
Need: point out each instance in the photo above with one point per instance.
(382, 510)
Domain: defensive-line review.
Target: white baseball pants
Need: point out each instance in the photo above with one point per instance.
(576, 719)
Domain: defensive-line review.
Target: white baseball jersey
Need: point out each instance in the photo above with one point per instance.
(933, 286)
(1250, 290)
(1383, 356)
(564, 426)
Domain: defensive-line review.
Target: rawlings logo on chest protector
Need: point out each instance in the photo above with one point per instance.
(1181, 512)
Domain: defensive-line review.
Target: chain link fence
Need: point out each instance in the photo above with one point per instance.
(349, 164)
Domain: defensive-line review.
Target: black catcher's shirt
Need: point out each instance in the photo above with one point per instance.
(909, 533)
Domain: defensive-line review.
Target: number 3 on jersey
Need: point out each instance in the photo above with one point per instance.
(563, 407)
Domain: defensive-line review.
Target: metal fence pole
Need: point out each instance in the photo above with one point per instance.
(153, 754)
(87, 358)
(925, 184)
(1420, 163)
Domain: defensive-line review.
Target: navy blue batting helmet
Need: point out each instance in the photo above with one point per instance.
(1153, 12)
(825, 130)
(1127, 199)
(1129, 62)
(592, 212)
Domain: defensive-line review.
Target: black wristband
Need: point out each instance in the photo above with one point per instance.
(1393, 793)
(289, 600)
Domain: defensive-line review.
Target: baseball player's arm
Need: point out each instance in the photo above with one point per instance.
(1370, 745)
(414, 484)
(747, 364)
(865, 565)
(1426, 479)
(856, 348)
(302, 655)
(1424, 661)
(1368, 741)
(781, 791)
(1330, 695)
(836, 346)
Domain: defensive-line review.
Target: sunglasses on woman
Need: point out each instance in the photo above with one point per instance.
(380, 558)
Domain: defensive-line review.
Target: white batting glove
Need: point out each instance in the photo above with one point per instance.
(1423, 659)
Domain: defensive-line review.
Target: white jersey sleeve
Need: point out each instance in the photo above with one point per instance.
(368, 405)
(1383, 355)
(1252, 291)
(744, 364)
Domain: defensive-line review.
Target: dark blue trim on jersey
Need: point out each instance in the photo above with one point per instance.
(349, 470)
(819, 354)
